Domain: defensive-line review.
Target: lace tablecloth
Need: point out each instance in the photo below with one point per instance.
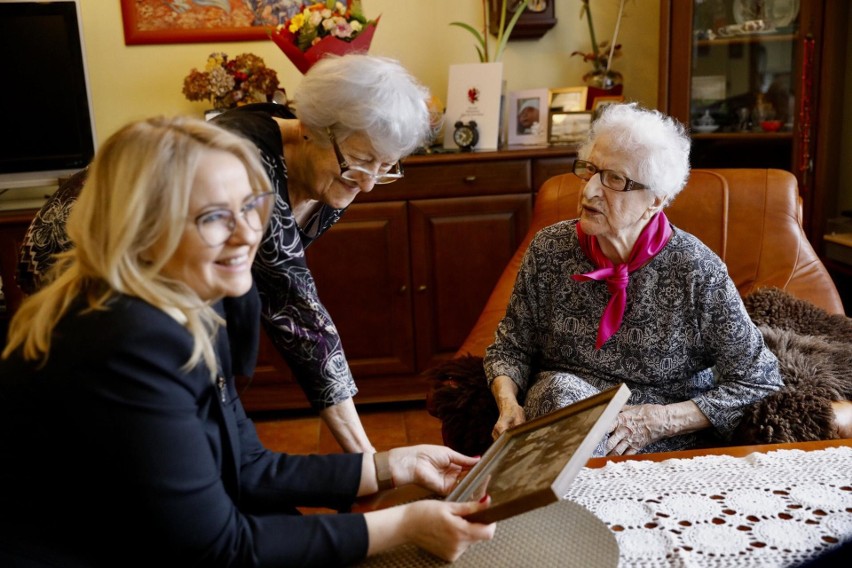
(774, 509)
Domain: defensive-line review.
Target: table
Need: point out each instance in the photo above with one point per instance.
(766, 505)
(773, 505)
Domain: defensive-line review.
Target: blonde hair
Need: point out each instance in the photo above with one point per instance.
(136, 196)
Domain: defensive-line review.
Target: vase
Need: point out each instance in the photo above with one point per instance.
(603, 79)
(602, 84)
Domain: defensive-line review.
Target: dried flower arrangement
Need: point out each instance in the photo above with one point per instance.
(228, 83)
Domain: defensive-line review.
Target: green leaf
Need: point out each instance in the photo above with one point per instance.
(504, 34)
(476, 34)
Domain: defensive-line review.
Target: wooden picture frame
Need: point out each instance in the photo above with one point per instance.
(528, 115)
(155, 21)
(568, 99)
(532, 464)
(601, 102)
(538, 17)
(569, 127)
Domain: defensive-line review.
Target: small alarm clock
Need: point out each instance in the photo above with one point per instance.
(466, 135)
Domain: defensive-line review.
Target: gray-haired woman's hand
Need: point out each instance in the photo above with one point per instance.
(505, 392)
(639, 426)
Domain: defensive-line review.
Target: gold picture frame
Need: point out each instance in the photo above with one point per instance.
(568, 127)
(568, 99)
(532, 464)
(601, 102)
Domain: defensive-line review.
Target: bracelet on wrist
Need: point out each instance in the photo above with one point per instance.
(384, 476)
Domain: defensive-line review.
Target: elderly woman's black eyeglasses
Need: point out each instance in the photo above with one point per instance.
(357, 174)
(609, 179)
(216, 227)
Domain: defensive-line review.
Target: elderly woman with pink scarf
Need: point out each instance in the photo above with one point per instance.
(620, 295)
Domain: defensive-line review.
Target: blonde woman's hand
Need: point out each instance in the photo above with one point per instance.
(436, 468)
(435, 526)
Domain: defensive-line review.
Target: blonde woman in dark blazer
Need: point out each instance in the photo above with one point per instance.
(122, 440)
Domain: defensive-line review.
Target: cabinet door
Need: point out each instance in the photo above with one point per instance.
(741, 76)
(361, 267)
(459, 248)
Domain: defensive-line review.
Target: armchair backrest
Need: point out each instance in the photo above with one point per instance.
(751, 218)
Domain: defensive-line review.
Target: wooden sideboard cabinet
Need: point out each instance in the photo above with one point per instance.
(405, 272)
(409, 267)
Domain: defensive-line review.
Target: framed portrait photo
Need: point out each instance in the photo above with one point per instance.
(569, 127)
(527, 123)
(568, 99)
(533, 464)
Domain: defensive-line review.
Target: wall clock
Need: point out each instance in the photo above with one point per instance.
(537, 18)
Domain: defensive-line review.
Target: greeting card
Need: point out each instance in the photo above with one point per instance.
(474, 93)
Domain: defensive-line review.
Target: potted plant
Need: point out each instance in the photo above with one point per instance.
(601, 76)
(502, 36)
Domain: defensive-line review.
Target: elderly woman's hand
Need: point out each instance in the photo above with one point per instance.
(636, 427)
(639, 426)
(511, 414)
(505, 392)
(436, 468)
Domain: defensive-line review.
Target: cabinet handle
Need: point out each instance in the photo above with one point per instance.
(402, 289)
(421, 288)
(469, 179)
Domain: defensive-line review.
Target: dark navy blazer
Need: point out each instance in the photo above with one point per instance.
(114, 454)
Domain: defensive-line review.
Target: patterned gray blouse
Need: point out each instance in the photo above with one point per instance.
(685, 334)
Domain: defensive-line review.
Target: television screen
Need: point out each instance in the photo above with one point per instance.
(47, 130)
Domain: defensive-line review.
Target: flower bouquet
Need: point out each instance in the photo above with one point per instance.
(228, 83)
(324, 27)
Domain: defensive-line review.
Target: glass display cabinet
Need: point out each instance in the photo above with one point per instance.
(760, 84)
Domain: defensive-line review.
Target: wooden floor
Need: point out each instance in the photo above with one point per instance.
(388, 426)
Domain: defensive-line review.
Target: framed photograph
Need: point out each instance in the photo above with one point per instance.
(155, 21)
(601, 102)
(568, 99)
(532, 464)
(569, 127)
(527, 122)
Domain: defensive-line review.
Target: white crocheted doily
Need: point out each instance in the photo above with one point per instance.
(775, 509)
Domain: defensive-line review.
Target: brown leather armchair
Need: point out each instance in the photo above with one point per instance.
(751, 218)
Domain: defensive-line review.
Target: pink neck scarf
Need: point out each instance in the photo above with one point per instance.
(651, 241)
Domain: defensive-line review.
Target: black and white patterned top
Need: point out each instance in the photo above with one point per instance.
(685, 333)
(293, 315)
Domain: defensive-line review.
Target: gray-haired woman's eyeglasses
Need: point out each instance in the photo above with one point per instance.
(217, 226)
(609, 178)
(357, 174)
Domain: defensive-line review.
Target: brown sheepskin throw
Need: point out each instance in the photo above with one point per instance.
(815, 360)
(813, 350)
(460, 398)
